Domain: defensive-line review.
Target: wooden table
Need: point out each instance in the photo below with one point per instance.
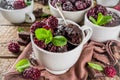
(8, 32)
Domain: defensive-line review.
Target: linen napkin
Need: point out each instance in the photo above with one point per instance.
(93, 51)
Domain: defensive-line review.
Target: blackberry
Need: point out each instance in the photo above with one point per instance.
(110, 71)
(80, 5)
(36, 25)
(52, 22)
(31, 73)
(97, 9)
(40, 43)
(19, 4)
(51, 48)
(68, 6)
(14, 47)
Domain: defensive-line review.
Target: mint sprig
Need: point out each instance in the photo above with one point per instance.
(44, 35)
(20, 29)
(59, 41)
(95, 66)
(101, 20)
(28, 2)
(47, 36)
(22, 65)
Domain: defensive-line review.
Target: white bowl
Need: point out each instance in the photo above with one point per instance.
(19, 15)
(75, 16)
(108, 3)
(59, 63)
(101, 33)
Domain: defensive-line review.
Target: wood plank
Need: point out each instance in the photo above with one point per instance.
(7, 34)
(5, 65)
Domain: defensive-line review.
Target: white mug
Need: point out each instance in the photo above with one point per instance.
(101, 33)
(108, 3)
(59, 63)
(19, 15)
(75, 16)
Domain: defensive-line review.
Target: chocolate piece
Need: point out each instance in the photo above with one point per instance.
(33, 62)
(93, 74)
(22, 42)
(24, 35)
(38, 12)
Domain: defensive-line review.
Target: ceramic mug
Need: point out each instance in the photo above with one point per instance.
(108, 3)
(75, 16)
(19, 15)
(101, 33)
(59, 63)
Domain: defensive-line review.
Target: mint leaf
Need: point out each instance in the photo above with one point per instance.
(45, 15)
(20, 29)
(59, 41)
(93, 20)
(22, 65)
(102, 20)
(41, 33)
(44, 34)
(95, 66)
(28, 2)
(49, 38)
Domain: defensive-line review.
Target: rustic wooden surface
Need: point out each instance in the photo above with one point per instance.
(8, 32)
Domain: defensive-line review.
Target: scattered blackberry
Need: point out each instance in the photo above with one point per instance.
(97, 9)
(14, 47)
(40, 43)
(52, 22)
(36, 25)
(19, 4)
(31, 73)
(68, 6)
(110, 71)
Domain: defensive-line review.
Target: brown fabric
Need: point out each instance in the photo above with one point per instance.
(92, 51)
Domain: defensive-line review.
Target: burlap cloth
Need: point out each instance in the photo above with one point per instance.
(107, 53)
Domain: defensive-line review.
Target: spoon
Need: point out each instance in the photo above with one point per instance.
(58, 6)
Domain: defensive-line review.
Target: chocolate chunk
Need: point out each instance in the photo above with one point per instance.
(22, 42)
(33, 62)
(93, 74)
(38, 12)
(24, 35)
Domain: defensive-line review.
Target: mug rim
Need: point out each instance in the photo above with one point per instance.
(59, 53)
(16, 9)
(71, 11)
(102, 27)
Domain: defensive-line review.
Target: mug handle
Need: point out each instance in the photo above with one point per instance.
(88, 34)
(30, 18)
